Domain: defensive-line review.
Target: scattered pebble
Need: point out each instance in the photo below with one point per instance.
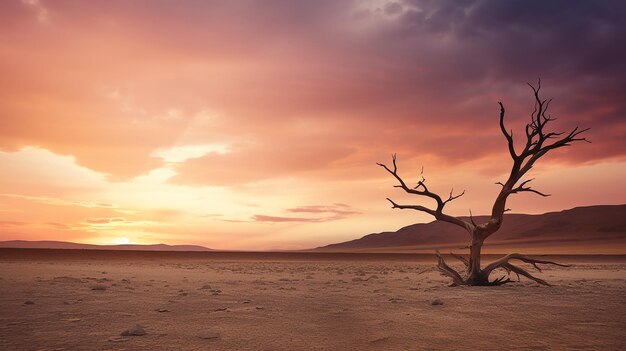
(99, 287)
(436, 302)
(137, 330)
(117, 339)
(209, 335)
(383, 339)
(29, 302)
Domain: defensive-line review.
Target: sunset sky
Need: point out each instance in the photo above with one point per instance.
(257, 124)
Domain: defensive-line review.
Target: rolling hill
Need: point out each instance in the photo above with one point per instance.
(593, 226)
(23, 244)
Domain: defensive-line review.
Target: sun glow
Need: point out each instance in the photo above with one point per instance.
(122, 241)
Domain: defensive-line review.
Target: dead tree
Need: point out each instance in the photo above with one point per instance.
(538, 143)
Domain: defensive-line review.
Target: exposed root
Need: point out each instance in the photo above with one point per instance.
(508, 267)
(517, 270)
(500, 281)
(426, 270)
(482, 277)
(448, 271)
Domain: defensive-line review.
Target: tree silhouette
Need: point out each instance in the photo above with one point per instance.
(538, 143)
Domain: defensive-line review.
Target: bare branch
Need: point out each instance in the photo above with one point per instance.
(438, 212)
(509, 137)
(521, 188)
(460, 258)
(403, 185)
(451, 197)
(530, 190)
(412, 207)
(472, 218)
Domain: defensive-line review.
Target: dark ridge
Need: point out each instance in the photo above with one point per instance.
(590, 224)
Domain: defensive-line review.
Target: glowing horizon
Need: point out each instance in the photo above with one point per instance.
(254, 125)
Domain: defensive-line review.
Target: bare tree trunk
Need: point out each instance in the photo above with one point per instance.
(475, 274)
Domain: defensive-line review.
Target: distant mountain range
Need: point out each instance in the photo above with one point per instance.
(591, 229)
(592, 226)
(23, 244)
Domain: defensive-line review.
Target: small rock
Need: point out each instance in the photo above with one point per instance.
(99, 287)
(117, 339)
(137, 330)
(162, 310)
(209, 335)
(29, 302)
(260, 308)
(436, 302)
(205, 287)
(379, 340)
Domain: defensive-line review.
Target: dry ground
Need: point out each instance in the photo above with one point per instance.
(299, 303)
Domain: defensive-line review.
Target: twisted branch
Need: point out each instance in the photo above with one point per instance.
(422, 189)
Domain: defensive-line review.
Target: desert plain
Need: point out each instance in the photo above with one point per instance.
(86, 300)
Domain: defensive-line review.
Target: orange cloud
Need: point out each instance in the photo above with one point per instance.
(92, 220)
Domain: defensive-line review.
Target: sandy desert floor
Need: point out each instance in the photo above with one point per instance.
(84, 301)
